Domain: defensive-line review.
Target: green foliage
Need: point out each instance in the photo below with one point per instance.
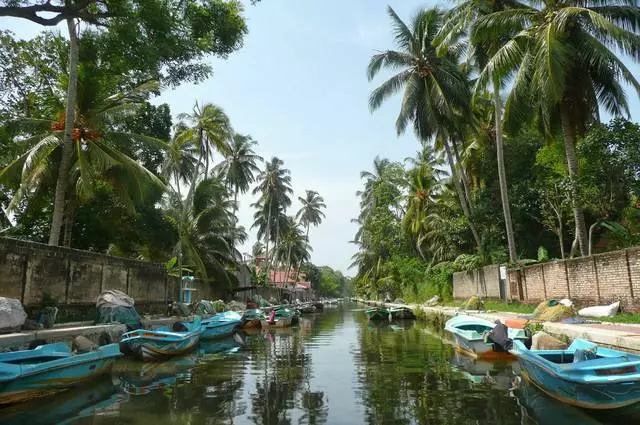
(543, 254)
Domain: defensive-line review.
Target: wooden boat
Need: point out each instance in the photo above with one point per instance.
(401, 313)
(50, 368)
(469, 333)
(377, 313)
(306, 308)
(584, 375)
(162, 342)
(220, 325)
(283, 313)
(251, 318)
(278, 322)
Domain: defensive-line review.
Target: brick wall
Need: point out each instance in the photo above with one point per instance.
(599, 279)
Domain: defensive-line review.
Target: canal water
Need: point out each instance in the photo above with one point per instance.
(333, 368)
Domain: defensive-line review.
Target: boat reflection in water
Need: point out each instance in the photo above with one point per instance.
(497, 374)
(539, 409)
(141, 379)
(100, 397)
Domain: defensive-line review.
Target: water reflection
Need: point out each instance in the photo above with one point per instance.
(334, 368)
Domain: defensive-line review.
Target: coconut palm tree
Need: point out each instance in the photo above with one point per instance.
(211, 130)
(436, 93)
(461, 21)
(203, 220)
(274, 188)
(96, 155)
(311, 210)
(240, 165)
(564, 64)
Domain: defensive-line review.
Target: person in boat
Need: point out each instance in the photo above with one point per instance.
(251, 304)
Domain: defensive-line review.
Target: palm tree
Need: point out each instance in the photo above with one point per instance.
(311, 210)
(563, 68)
(211, 130)
(96, 153)
(240, 165)
(203, 221)
(436, 93)
(274, 188)
(462, 19)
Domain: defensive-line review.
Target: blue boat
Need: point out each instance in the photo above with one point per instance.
(162, 342)
(50, 368)
(222, 324)
(469, 334)
(584, 375)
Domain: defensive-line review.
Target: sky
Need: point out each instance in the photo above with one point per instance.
(298, 86)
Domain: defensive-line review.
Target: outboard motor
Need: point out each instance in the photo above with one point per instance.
(499, 335)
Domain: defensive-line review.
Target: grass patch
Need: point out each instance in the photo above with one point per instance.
(512, 307)
(619, 318)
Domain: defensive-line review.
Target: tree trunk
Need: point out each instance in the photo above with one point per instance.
(67, 141)
(561, 236)
(69, 219)
(268, 236)
(572, 165)
(463, 176)
(502, 177)
(463, 202)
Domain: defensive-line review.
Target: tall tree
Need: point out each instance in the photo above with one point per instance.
(211, 130)
(154, 34)
(461, 20)
(311, 211)
(436, 93)
(240, 166)
(564, 68)
(274, 188)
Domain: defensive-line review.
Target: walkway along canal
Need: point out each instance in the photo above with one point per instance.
(334, 368)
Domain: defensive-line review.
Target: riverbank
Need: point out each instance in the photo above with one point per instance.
(625, 337)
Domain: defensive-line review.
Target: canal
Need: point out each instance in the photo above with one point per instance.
(333, 368)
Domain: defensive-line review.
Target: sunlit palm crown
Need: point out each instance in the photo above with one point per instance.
(311, 211)
(240, 166)
(563, 53)
(435, 92)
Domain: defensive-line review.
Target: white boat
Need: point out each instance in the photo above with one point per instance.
(469, 333)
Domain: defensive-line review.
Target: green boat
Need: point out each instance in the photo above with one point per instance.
(288, 312)
(378, 313)
(393, 313)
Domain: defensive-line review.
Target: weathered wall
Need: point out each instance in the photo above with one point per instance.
(31, 271)
(484, 282)
(601, 278)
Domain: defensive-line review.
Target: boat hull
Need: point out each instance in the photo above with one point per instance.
(252, 323)
(281, 322)
(597, 396)
(219, 330)
(40, 383)
(377, 314)
(479, 349)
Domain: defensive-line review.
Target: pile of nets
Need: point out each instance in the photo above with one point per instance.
(205, 307)
(117, 307)
(235, 306)
(261, 301)
(473, 303)
(553, 311)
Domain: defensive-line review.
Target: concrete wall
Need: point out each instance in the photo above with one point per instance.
(31, 271)
(484, 282)
(599, 279)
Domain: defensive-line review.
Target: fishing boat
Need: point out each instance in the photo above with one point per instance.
(306, 308)
(584, 375)
(221, 324)
(50, 368)
(378, 313)
(401, 313)
(284, 313)
(470, 335)
(273, 321)
(162, 342)
(251, 318)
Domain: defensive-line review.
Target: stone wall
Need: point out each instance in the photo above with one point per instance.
(73, 278)
(599, 279)
(484, 282)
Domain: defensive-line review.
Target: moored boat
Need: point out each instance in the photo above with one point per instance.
(401, 313)
(284, 313)
(162, 342)
(273, 321)
(220, 325)
(251, 318)
(50, 368)
(584, 375)
(470, 336)
(378, 313)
